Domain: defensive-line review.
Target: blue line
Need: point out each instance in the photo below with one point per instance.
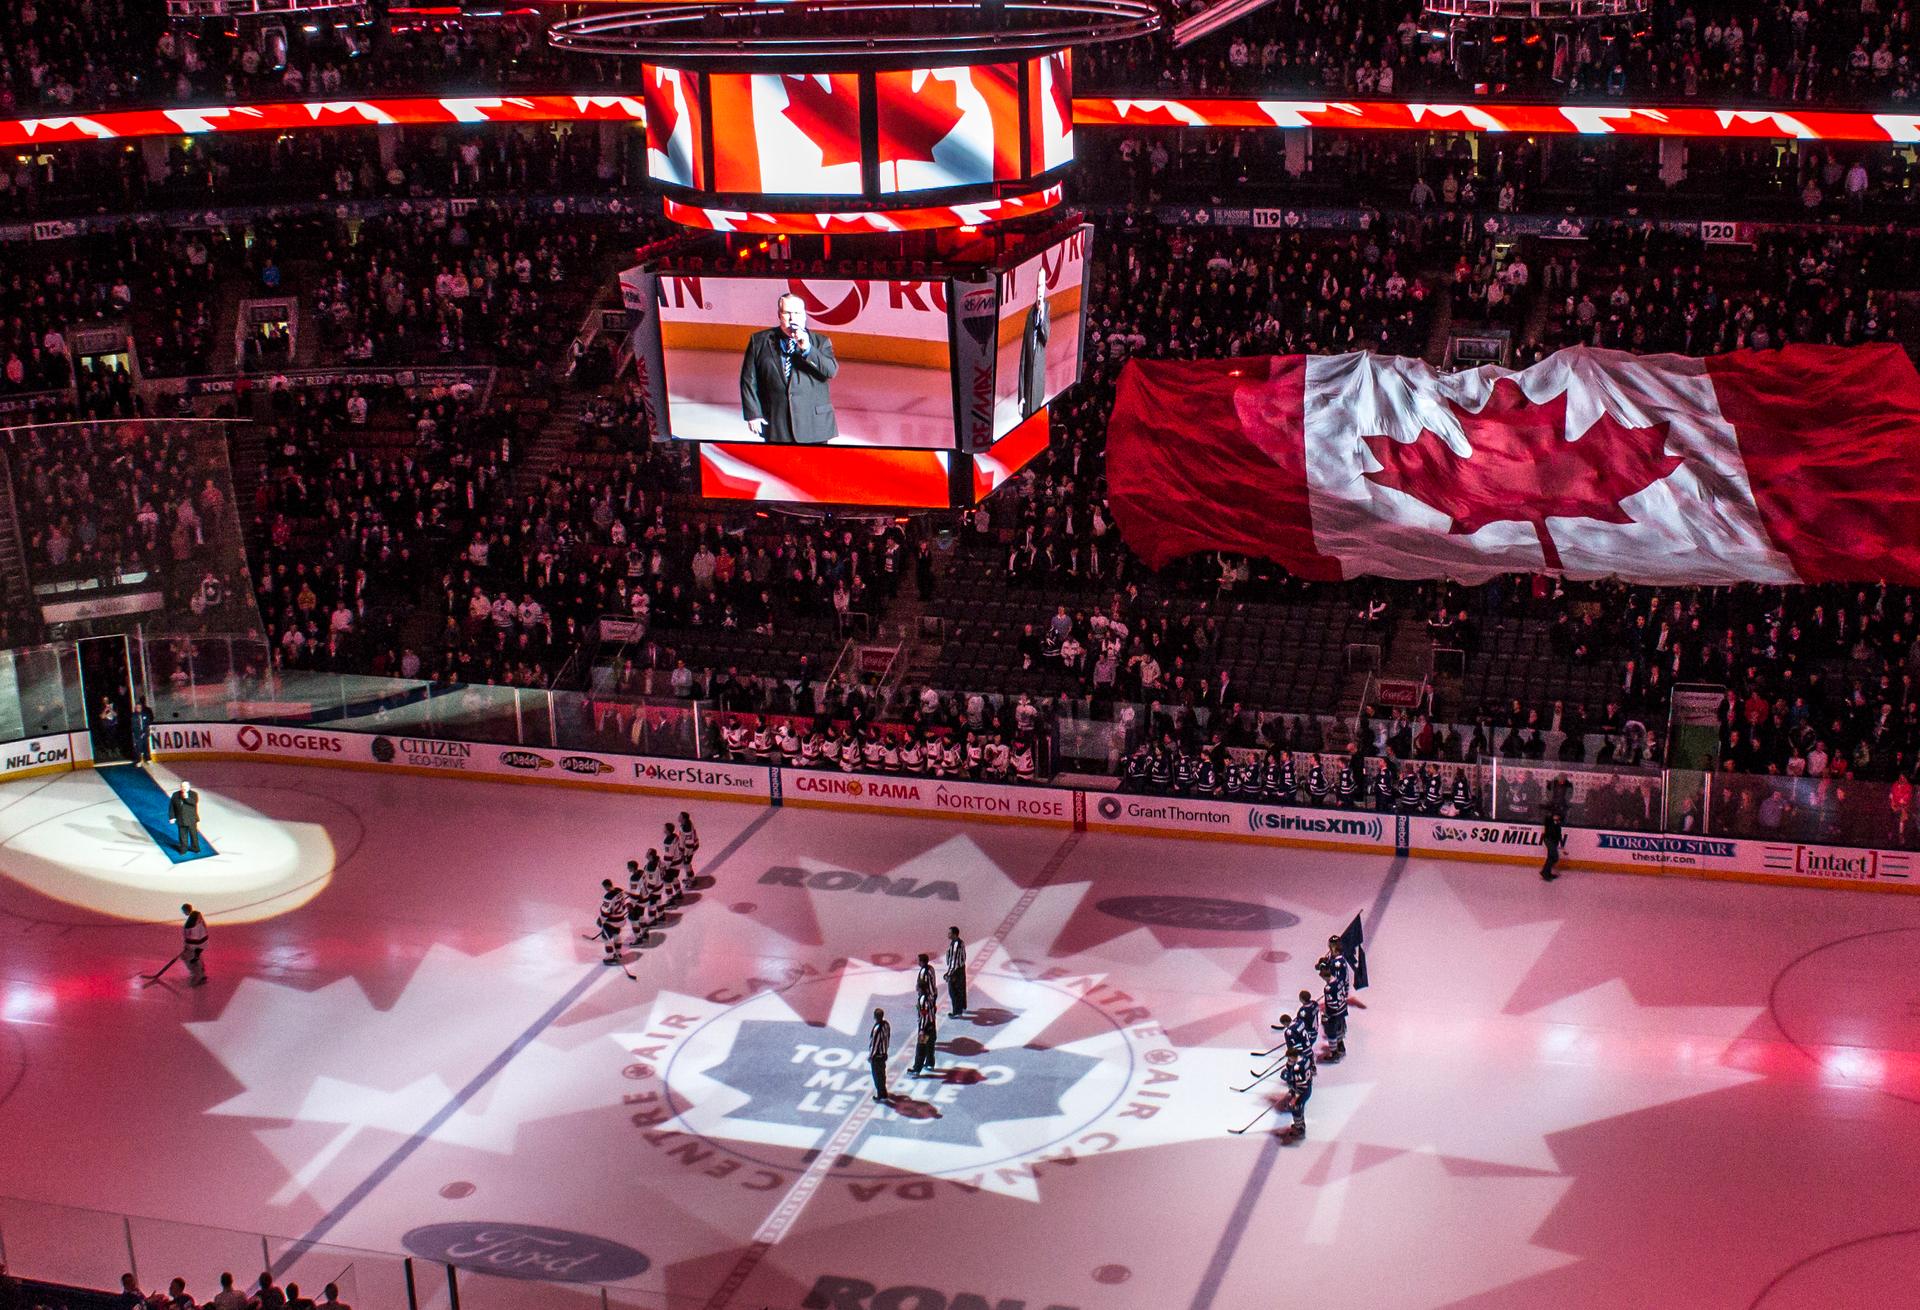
(385, 1169)
(1236, 1228)
(1236, 1225)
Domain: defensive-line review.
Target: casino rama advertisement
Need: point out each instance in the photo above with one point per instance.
(929, 796)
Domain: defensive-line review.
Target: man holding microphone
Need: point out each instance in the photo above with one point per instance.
(784, 378)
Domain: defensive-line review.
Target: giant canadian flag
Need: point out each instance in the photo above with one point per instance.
(1795, 465)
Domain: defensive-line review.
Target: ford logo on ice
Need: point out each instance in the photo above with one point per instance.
(524, 1251)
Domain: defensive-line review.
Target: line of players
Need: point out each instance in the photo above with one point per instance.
(653, 887)
(1167, 770)
(979, 755)
(1301, 1031)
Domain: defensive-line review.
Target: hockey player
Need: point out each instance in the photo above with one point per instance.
(1160, 772)
(673, 861)
(612, 921)
(1186, 773)
(735, 737)
(1334, 1003)
(193, 944)
(643, 908)
(689, 844)
(1316, 784)
(1462, 799)
(1206, 777)
(1409, 791)
(849, 752)
(1139, 765)
(787, 742)
(762, 744)
(1347, 788)
(810, 751)
(1298, 1076)
(995, 757)
(1304, 1031)
(1023, 762)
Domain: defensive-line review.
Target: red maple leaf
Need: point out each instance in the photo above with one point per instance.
(828, 116)
(913, 122)
(1522, 468)
(663, 107)
(1061, 85)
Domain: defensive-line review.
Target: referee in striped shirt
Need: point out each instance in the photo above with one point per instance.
(956, 971)
(878, 1043)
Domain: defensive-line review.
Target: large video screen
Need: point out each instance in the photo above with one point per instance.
(1050, 105)
(674, 128)
(807, 362)
(1040, 331)
(786, 133)
(946, 127)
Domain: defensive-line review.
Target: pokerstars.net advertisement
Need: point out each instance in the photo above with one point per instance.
(807, 361)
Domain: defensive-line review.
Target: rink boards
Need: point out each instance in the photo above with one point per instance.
(1355, 831)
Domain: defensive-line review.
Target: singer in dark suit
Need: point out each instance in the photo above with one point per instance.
(1033, 352)
(783, 381)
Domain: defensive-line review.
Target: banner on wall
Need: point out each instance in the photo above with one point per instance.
(468, 759)
(1127, 812)
(18, 758)
(934, 796)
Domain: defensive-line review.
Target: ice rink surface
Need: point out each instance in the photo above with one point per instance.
(1611, 1091)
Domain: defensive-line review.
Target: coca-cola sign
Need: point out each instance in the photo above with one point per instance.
(512, 1250)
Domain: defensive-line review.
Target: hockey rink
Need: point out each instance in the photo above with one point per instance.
(1611, 1091)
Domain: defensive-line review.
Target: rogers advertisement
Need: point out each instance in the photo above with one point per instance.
(1041, 312)
(807, 361)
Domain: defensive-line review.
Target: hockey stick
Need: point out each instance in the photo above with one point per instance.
(1256, 1119)
(1260, 1078)
(154, 977)
(1269, 1051)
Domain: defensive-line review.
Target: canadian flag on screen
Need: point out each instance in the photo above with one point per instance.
(673, 126)
(1800, 464)
(943, 127)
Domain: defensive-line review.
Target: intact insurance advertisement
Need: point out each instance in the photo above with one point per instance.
(960, 800)
(1126, 812)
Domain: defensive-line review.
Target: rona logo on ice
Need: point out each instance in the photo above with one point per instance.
(835, 1292)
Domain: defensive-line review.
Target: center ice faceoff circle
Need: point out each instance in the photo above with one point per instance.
(1048, 1069)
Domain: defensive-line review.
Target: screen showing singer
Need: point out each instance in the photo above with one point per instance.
(785, 380)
